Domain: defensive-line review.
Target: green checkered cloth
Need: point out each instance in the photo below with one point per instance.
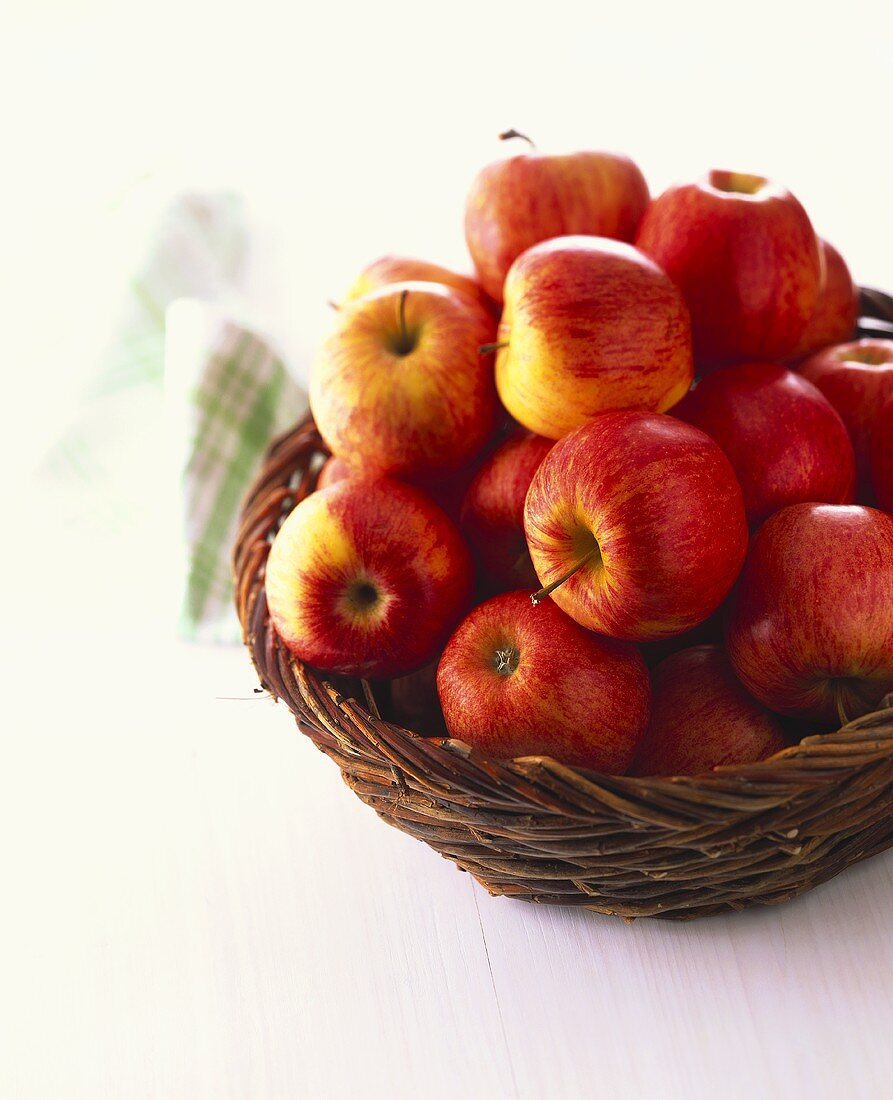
(229, 394)
(184, 402)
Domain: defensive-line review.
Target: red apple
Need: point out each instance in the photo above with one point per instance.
(400, 387)
(400, 269)
(810, 631)
(701, 717)
(492, 517)
(589, 324)
(784, 440)
(746, 257)
(367, 578)
(881, 457)
(636, 525)
(834, 317)
(857, 378)
(518, 202)
(517, 680)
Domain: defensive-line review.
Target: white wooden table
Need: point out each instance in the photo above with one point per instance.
(196, 906)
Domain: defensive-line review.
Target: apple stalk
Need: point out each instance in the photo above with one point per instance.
(539, 596)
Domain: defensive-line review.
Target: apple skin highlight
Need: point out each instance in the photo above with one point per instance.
(562, 692)
(367, 578)
(657, 504)
(810, 628)
(589, 325)
(517, 202)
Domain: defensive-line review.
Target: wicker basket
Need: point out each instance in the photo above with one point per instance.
(533, 828)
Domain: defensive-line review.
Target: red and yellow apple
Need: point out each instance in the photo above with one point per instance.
(786, 443)
(636, 525)
(881, 458)
(517, 202)
(857, 378)
(810, 632)
(834, 317)
(400, 387)
(492, 516)
(701, 717)
(744, 253)
(589, 325)
(518, 680)
(367, 578)
(400, 269)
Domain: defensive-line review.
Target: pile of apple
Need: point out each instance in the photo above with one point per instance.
(624, 498)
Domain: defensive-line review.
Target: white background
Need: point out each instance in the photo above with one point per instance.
(193, 903)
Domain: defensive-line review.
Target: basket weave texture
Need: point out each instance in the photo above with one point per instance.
(536, 829)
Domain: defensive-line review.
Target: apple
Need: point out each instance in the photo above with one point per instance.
(332, 470)
(881, 457)
(636, 525)
(784, 440)
(588, 325)
(400, 387)
(522, 200)
(834, 317)
(810, 631)
(367, 578)
(492, 516)
(518, 680)
(400, 269)
(701, 717)
(857, 378)
(746, 257)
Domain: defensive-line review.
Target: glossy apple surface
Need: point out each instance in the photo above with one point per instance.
(701, 717)
(786, 443)
(857, 378)
(518, 680)
(834, 317)
(400, 269)
(367, 578)
(649, 513)
(881, 458)
(518, 202)
(744, 253)
(810, 632)
(589, 325)
(492, 516)
(400, 387)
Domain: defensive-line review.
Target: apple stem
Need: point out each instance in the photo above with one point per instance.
(486, 349)
(507, 135)
(404, 338)
(332, 304)
(538, 597)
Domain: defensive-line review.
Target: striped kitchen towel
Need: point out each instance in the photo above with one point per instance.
(228, 394)
(164, 439)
